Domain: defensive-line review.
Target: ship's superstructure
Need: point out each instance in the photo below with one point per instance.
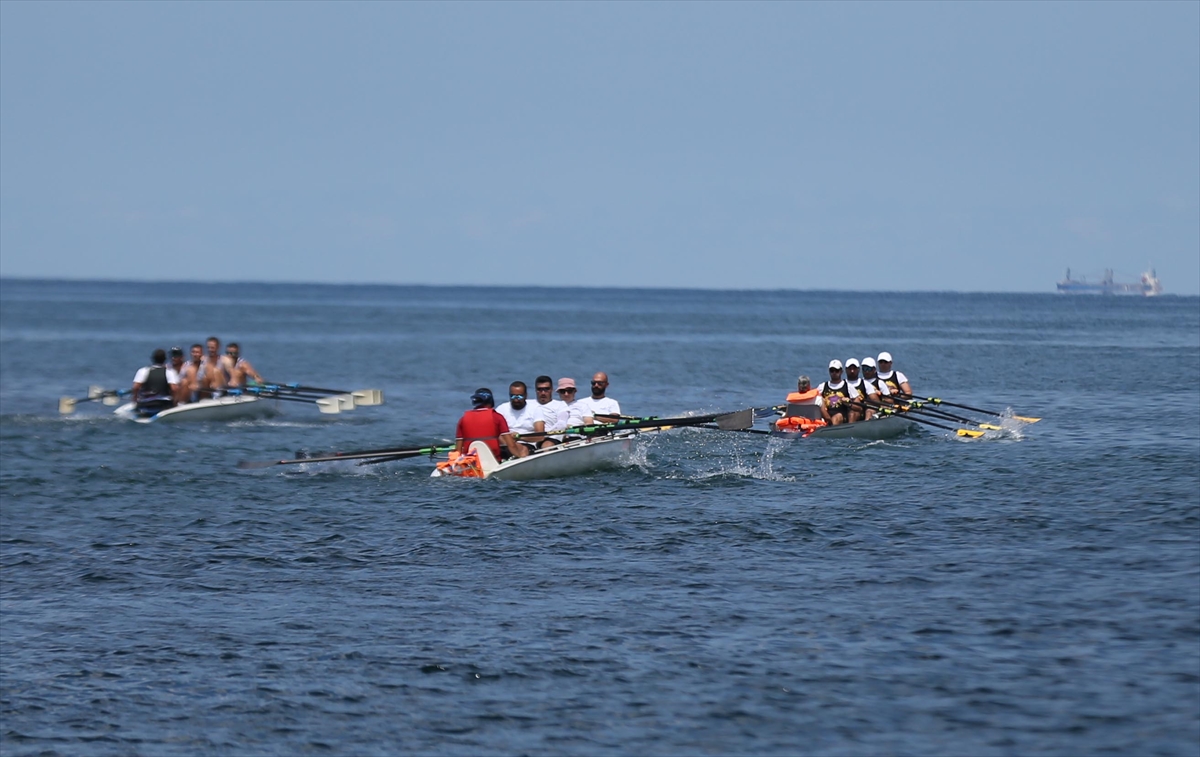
(1147, 287)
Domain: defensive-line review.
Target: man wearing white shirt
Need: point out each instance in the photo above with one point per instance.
(599, 408)
(523, 418)
(554, 412)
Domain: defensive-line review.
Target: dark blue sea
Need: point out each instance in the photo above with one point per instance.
(1035, 591)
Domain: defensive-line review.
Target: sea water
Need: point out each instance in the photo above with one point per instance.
(1034, 591)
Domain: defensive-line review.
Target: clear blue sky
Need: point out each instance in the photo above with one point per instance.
(890, 146)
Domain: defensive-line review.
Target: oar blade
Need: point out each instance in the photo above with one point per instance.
(738, 421)
(330, 405)
(970, 433)
(111, 399)
(253, 464)
(66, 405)
(367, 397)
(96, 392)
(1025, 419)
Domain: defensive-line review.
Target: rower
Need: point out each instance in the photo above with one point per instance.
(154, 385)
(836, 396)
(237, 368)
(213, 380)
(483, 424)
(873, 389)
(189, 377)
(178, 365)
(896, 381)
(523, 419)
(598, 408)
(554, 412)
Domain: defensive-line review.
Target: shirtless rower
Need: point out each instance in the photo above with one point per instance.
(237, 368)
(213, 380)
(177, 365)
(189, 376)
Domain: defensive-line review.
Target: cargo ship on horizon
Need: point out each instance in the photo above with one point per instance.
(1147, 287)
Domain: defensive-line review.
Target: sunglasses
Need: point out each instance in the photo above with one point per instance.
(541, 389)
(516, 396)
(599, 383)
(835, 370)
(567, 391)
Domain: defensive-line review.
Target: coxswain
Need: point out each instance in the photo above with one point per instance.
(237, 368)
(483, 424)
(523, 418)
(598, 408)
(154, 385)
(896, 381)
(837, 397)
(804, 394)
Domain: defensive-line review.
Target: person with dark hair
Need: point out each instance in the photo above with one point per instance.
(190, 376)
(523, 418)
(483, 424)
(178, 366)
(213, 379)
(154, 385)
(237, 368)
(554, 412)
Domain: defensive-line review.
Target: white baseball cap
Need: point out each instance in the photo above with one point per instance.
(885, 356)
(835, 364)
(852, 361)
(868, 362)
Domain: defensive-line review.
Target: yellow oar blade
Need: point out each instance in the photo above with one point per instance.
(970, 433)
(1024, 419)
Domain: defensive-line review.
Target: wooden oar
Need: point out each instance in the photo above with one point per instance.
(373, 455)
(66, 405)
(939, 401)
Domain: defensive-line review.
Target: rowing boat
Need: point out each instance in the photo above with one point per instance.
(569, 459)
(227, 408)
(884, 427)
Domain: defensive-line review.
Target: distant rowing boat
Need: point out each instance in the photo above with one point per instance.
(1147, 287)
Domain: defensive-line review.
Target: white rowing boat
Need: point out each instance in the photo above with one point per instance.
(227, 408)
(569, 459)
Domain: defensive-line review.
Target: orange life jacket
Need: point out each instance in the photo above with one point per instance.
(462, 464)
(796, 397)
(795, 423)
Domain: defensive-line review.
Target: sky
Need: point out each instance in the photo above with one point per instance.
(858, 146)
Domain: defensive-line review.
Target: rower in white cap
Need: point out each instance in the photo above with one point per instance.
(837, 396)
(873, 388)
(868, 392)
(896, 381)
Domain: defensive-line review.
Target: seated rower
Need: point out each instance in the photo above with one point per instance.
(523, 419)
(238, 368)
(838, 398)
(154, 385)
(179, 366)
(483, 424)
(874, 390)
(896, 381)
(555, 413)
(212, 378)
(190, 377)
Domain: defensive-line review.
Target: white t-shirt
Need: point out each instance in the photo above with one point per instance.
(884, 389)
(590, 406)
(575, 412)
(555, 413)
(839, 385)
(521, 421)
(144, 373)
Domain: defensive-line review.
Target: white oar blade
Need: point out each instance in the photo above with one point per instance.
(95, 392)
(329, 405)
(111, 399)
(66, 406)
(345, 401)
(367, 397)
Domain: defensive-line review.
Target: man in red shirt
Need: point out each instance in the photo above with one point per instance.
(483, 424)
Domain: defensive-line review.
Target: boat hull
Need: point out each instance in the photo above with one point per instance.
(876, 428)
(570, 459)
(222, 409)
